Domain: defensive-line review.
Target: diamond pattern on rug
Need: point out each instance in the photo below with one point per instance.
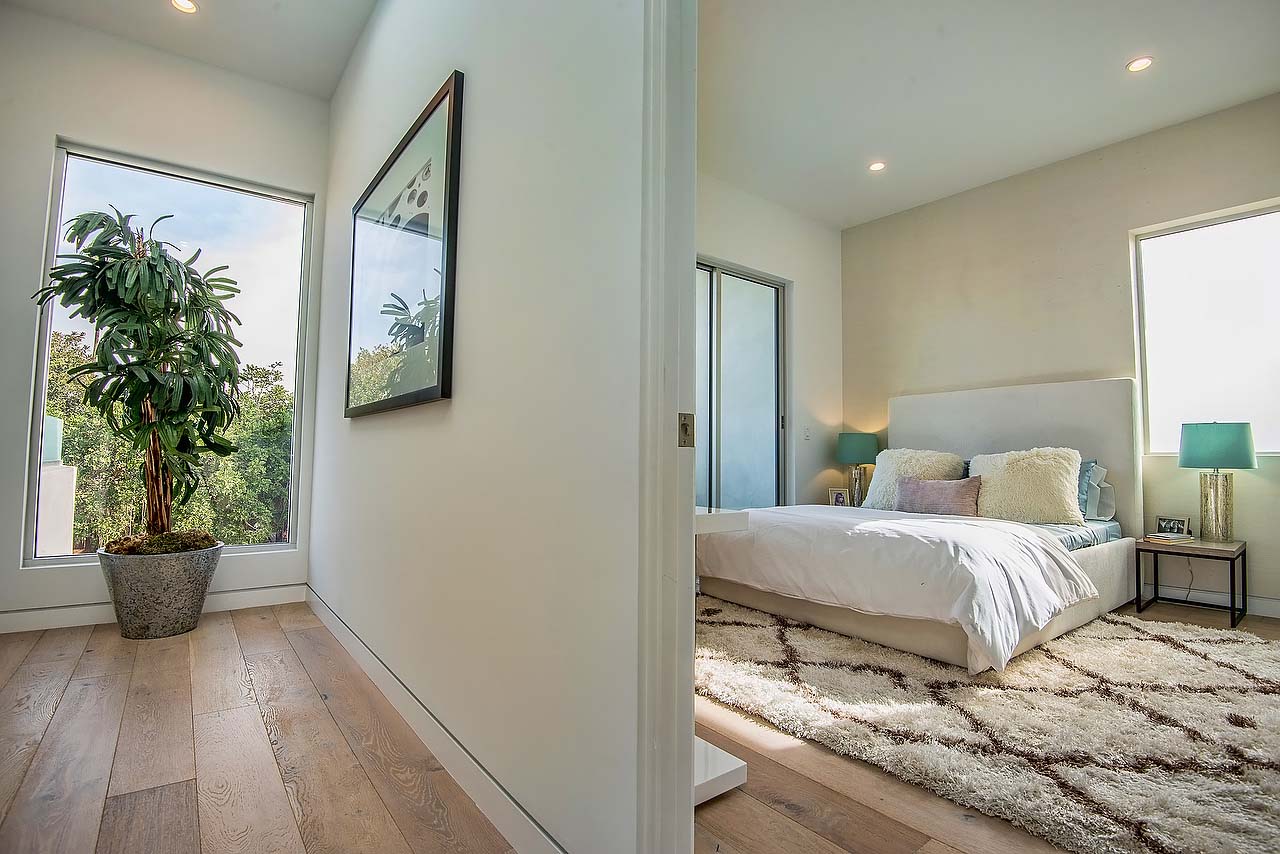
(1141, 661)
(1122, 737)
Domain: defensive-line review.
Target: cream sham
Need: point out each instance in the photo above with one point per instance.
(1039, 486)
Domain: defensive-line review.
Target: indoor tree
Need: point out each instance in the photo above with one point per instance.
(163, 371)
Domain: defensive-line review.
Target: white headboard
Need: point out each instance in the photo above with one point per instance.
(1099, 418)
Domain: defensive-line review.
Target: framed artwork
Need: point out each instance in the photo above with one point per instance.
(403, 255)
(838, 497)
(1173, 525)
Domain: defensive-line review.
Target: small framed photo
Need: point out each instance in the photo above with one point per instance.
(838, 497)
(1173, 525)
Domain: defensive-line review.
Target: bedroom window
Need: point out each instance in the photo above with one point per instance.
(739, 389)
(1209, 300)
(85, 488)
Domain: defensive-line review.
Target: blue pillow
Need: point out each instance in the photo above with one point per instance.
(1086, 471)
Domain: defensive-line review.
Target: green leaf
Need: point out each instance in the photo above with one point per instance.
(163, 345)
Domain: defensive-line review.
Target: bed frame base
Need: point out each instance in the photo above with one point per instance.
(1111, 566)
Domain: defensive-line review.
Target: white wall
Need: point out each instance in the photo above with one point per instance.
(1029, 280)
(749, 231)
(485, 547)
(63, 81)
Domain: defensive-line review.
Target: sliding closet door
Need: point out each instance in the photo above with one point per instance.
(748, 417)
(739, 390)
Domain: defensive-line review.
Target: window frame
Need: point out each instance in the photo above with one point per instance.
(53, 236)
(1262, 208)
(715, 267)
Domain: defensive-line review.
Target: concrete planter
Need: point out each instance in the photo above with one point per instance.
(157, 596)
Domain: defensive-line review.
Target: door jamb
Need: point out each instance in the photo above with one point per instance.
(664, 808)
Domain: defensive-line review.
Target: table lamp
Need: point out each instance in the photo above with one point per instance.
(1217, 446)
(857, 450)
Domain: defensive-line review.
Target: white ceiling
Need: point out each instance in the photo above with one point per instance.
(300, 44)
(796, 98)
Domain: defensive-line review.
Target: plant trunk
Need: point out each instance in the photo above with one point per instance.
(158, 480)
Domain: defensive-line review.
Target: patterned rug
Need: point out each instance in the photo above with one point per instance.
(1123, 736)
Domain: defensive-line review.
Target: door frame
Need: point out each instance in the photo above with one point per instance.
(664, 774)
(716, 267)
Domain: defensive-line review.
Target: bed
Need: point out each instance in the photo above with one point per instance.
(782, 564)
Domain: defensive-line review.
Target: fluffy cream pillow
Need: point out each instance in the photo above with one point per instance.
(896, 463)
(1041, 486)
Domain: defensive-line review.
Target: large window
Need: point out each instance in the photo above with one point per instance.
(87, 489)
(739, 415)
(1210, 301)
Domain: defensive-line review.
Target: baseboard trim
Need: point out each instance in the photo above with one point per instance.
(31, 619)
(522, 831)
(1261, 606)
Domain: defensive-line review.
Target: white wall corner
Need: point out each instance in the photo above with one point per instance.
(520, 829)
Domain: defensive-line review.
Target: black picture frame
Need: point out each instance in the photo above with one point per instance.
(1173, 525)
(450, 91)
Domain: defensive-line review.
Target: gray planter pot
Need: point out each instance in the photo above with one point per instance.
(157, 596)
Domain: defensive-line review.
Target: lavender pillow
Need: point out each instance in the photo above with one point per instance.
(943, 497)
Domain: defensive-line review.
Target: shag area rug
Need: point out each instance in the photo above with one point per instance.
(1122, 736)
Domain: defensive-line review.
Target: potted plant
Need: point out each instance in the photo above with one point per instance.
(165, 376)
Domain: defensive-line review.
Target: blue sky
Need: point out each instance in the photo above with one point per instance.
(398, 261)
(392, 261)
(258, 237)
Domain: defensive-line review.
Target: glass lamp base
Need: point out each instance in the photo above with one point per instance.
(1216, 506)
(856, 489)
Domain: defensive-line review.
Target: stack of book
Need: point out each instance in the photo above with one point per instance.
(1170, 539)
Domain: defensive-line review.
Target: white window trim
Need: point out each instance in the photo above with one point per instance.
(53, 236)
(1136, 236)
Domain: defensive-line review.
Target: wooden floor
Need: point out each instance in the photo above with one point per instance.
(801, 798)
(255, 733)
(258, 733)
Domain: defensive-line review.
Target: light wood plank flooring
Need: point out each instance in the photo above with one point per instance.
(801, 798)
(255, 733)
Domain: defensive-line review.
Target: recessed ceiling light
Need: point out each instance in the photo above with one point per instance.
(876, 165)
(1142, 63)
(187, 6)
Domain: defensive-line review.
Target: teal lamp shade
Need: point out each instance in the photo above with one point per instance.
(1227, 445)
(857, 449)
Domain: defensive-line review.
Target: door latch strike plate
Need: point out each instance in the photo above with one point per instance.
(685, 430)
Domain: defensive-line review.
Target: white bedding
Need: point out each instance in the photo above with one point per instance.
(999, 581)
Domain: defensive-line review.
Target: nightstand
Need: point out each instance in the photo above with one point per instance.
(1231, 552)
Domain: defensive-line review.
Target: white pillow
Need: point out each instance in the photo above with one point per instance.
(1040, 486)
(896, 463)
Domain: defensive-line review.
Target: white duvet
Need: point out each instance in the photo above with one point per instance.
(1000, 581)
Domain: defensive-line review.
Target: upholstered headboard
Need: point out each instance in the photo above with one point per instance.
(1099, 418)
